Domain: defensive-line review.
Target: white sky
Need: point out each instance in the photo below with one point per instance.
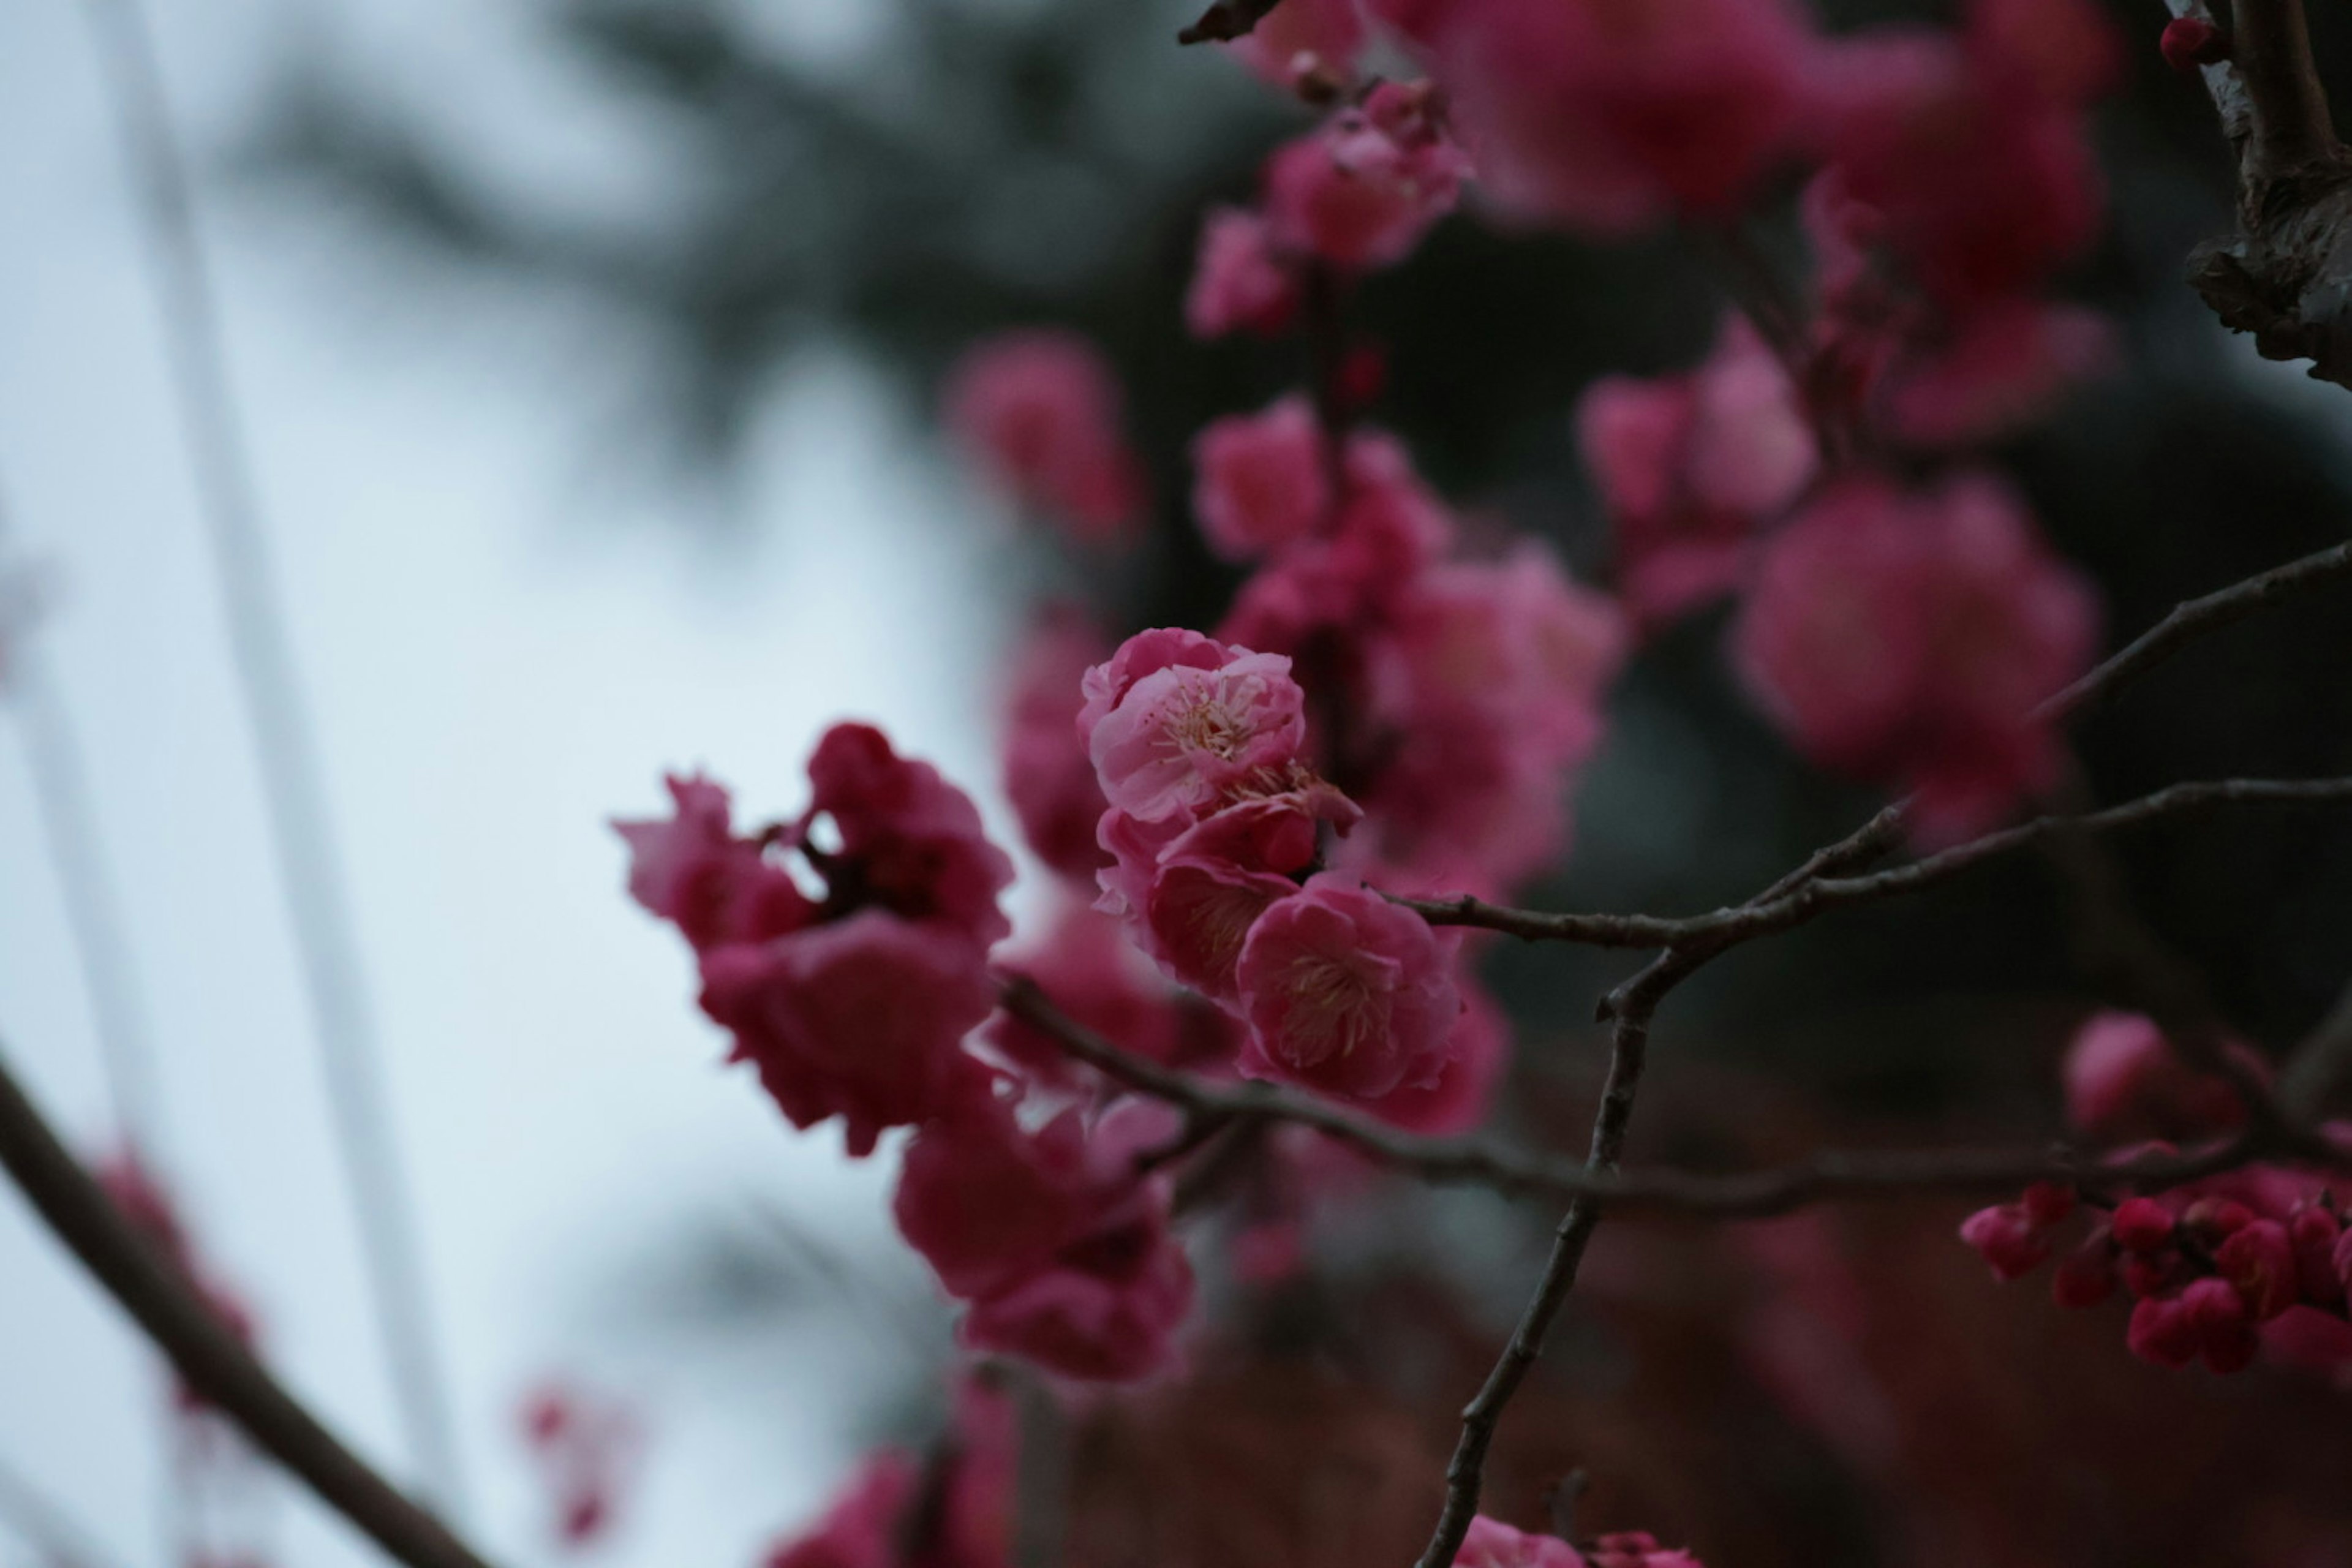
(505, 636)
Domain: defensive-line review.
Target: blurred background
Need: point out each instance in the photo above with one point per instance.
(587, 354)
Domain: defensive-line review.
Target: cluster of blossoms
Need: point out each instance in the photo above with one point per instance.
(2220, 1268)
(1387, 708)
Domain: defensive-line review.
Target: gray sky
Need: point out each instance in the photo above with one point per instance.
(505, 637)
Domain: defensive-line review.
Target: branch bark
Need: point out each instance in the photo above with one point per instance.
(207, 1355)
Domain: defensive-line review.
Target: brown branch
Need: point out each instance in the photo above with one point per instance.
(2270, 46)
(2195, 618)
(1227, 20)
(2319, 1066)
(1797, 900)
(1832, 1176)
(207, 1355)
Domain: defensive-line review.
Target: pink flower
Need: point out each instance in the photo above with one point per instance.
(1063, 1252)
(1477, 1055)
(1238, 282)
(1345, 992)
(2188, 42)
(1049, 776)
(1493, 1544)
(1636, 1549)
(1908, 638)
(1997, 369)
(911, 841)
(692, 871)
(1351, 195)
(2124, 1079)
(1041, 409)
(861, 1018)
(1178, 723)
(1303, 39)
(1689, 466)
(1609, 116)
(1972, 152)
(1261, 480)
(2009, 1240)
(585, 1449)
(861, 1530)
(2259, 1260)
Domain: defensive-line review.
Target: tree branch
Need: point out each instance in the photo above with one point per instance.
(1227, 20)
(207, 1355)
(1802, 898)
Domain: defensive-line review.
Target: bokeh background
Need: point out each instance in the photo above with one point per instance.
(587, 353)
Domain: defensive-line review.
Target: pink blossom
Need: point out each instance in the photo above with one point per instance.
(1636, 1549)
(1041, 409)
(1196, 914)
(861, 1530)
(2086, 1276)
(1346, 993)
(692, 871)
(1351, 195)
(911, 841)
(1689, 466)
(2007, 1239)
(2259, 1260)
(1049, 776)
(860, 1018)
(1908, 638)
(1261, 480)
(1997, 369)
(1971, 152)
(585, 1449)
(1238, 283)
(1609, 116)
(1178, 737)
(1493, 1544)
(2124, 1079)
(1300, 39)
(1477, 1055)
(1062, 1253)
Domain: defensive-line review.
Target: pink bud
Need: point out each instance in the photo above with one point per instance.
(2145, 1276)
(2143, 1226)
(2162, 1334)
(2086, 1276)
(2007, 1239)
(2047, 1203)
(2193, 41)
(2224, 1334)
(2259, 1260)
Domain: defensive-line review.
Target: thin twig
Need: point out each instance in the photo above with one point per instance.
(2195, 618)
(1797, 900)
(2319, 1066)
(286, 747)
(1227, 20)
(2270, 46)
(207, 1356)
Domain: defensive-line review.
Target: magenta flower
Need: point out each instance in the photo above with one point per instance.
(692, 871)
(1345, 992)
(1494, 1545)
(1180, 722)
(1354, 196)
(1040, 409)
(1261, 479)
(1239, 284)
(1049, 776)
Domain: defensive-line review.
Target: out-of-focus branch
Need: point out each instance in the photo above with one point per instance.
(2286, 275)
(2320, 1066)
(203, 1352)
(1227, 20)
(1807, 899)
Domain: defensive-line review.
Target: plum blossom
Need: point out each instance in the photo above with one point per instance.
(1061, 1251)
(1239, 283)
(1262, 479)
(854, 1004)
(585, 1449)
(1610, 116)
(1907, 638)
(2124, 1079)
(1346, 993)
(1690, 466)
(952, 1509)
(1301, 40)
(858, 1019)
(1175, 722)
(1358, 192)
(1040, 410)
(1491, 1544)
(1477, 1055)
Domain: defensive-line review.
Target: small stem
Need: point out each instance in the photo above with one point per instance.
(2271, 43)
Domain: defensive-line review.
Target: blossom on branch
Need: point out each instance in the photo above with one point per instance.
(1039, 409)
